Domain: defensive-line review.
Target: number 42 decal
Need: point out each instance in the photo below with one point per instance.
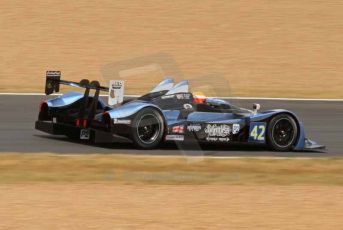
(257, 132)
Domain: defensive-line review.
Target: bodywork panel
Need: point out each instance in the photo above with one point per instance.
(65, 99)
(129, 109)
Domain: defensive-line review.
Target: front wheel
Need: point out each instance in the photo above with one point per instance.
(282, 132)
(147, 128)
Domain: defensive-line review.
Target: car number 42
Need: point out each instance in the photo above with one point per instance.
(257, 132)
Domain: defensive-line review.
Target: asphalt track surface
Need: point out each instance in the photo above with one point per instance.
(323, 123)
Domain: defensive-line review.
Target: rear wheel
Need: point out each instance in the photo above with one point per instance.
(282, 132)
(147, 128)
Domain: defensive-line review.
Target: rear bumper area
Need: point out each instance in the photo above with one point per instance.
(56, 129)
(95, 135)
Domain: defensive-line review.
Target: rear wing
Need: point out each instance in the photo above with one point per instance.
(86, 111)
(53, 82)
(115, 92)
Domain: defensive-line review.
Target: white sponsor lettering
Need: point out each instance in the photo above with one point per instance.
(181, 96)
(168, 96)
(211, 138)
(175, 138)
(125, 122)
(214, 130)
(215, 139)
(194, 128)
(53, 73)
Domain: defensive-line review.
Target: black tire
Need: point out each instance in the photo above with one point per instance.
(282, 132)
(147, 128)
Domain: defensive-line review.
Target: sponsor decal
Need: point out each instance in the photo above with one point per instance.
(175, 138)
(194, 128)
(117, 84)
(223, 139)
(187, 106)
(116, 92)
(124, 122)
(84, 134)
(178, 129)
(183, 96)
(53, 73)
(235, 128)
(218, 139)
(168, 96)
(215, 130)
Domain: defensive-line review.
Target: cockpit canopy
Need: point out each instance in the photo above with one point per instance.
(165, 85)
(161, 92)
(181, 87)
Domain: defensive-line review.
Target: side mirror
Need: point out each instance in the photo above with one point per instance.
(256, 107)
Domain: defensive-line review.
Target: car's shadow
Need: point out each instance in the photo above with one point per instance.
(194, 149)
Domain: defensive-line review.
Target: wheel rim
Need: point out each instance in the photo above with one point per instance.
(148, 128)
(283, 133)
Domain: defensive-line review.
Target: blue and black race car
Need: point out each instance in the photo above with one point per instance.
(169, 112)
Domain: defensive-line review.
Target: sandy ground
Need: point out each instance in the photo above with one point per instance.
(49, 191)
(106, 206)
(124, 169)
(254, 48)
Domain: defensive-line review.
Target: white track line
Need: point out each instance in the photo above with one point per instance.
(22, 94)
(263, 157)
(203, 156)
(282, 99)
(235, 98)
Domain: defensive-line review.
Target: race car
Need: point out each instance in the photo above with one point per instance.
(168, 113)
